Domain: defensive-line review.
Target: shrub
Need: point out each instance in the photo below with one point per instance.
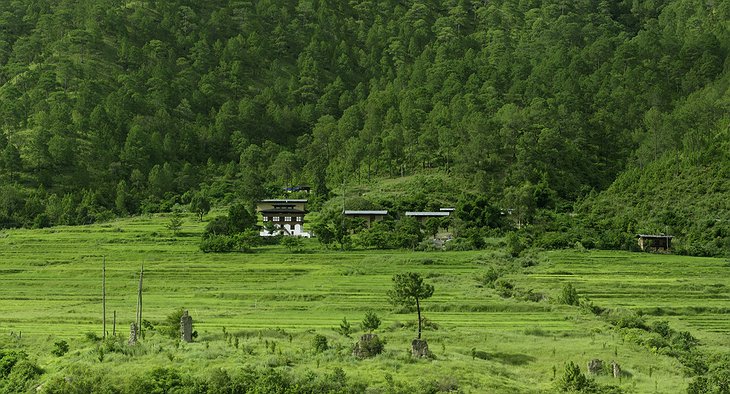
(407, 233)
(655, 341)
(504, 287)
(694, 362)
(61, 348)
(294, 244)
(271, 382)
(91, 336)
(661, 327)
(22, 374)
(515, 244)
(459, 244)
(427, 245)
(319, 343)
(716, 378)
(171, 326)
(474, 237)
(489, 277)
(528, 261)
(345, 327)
(589, 306)
(683, 340)
(371, 322)
(218, 226)
(217, 244)
(246, 241)
(573, 380)
(626, 319)
(378, 236)
(369, 345)
(159, 380)
(531, 295)
(569, 296)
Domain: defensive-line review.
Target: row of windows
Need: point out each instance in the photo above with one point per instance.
(285, 219)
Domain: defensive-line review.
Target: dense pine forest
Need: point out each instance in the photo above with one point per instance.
(589, 120)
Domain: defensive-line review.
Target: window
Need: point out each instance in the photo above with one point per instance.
(275, 218)
(287, 219)
(300, 219)
(266, 218)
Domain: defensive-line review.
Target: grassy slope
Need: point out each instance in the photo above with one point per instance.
(431, 189)
(51, 290)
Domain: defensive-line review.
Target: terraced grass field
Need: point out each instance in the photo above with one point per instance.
(482, 342)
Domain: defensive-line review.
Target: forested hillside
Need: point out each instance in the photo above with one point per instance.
(118, 107)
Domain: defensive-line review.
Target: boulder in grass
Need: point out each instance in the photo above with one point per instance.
(419, 348)
(595, 366)
(368, 346)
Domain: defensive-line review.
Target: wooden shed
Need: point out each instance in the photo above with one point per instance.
(655, 243)
(370, 217)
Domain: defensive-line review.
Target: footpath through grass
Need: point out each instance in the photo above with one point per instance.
(482, 342)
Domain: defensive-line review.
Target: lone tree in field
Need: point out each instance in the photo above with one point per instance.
(408, 290)
(200, 205)
(176, 221)
(371, 322)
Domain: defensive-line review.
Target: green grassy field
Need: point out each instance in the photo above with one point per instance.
(52, 290)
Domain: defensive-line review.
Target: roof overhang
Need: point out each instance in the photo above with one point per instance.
(428, 214)
(355, 213)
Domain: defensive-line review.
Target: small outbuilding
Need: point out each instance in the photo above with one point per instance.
(370, 217)
(655, 243)
(423, 216)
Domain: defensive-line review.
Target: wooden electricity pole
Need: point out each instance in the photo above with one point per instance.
(139, 301)
(103, 297)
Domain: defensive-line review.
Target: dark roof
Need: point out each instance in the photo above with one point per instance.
(365, 212)
(275, 210)
(654, 236)
(282, 200)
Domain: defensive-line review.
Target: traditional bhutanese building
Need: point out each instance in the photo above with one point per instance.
(286, 215)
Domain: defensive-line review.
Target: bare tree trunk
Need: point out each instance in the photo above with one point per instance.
(103, 298)
(418, 308)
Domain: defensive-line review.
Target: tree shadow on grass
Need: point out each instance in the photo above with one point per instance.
(516, 359)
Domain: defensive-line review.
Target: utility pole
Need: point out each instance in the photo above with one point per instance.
(342, 246)
(103, 297)
(139, 301)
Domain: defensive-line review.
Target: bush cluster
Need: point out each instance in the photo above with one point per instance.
(709, 372)
(18, 374)
(235, 232)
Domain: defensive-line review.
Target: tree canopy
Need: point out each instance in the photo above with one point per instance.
(121, 107)
(409, 290)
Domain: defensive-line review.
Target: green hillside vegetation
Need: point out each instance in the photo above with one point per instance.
(684, 192)
(691, 202)
(117, 107)
(272, 320)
